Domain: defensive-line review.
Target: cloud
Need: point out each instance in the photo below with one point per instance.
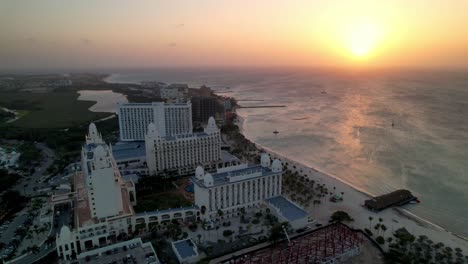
(172, 44)
(86, 41)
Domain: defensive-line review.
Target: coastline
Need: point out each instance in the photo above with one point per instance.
(400, 217)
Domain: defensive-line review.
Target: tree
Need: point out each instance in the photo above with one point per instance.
(384, 228)
(341, 216)
(227, 233)
(35, 249)
(370, 221)
(220, 213)
(203, 209)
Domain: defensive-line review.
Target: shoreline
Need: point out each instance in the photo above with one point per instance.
(395, 212)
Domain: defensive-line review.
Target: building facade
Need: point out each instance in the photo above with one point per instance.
(182, 153)
(169, 118)
(204, 107)
(235, 187)
(102, 201)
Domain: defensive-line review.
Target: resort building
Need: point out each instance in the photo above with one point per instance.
(184, 152)
(103, 201)
(235, 187)
(205, 107)
(174, 91)
(170, 119)
(130, 158)
(130, 251)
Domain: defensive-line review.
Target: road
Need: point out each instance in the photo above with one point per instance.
(63, 219)
(33, 182)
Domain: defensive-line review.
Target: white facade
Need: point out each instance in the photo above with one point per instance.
(234, 187)
(101, 177)
(182, 153)
(169, 118)
(103, 202)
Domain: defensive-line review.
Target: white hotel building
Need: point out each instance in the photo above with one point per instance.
(103, 202)
(169, 118)
(232, 188)
(182, 153)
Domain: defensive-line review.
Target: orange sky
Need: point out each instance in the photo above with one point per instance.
(77, 34)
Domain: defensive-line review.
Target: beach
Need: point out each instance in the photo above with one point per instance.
(353, 200)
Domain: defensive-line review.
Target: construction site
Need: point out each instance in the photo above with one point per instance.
(334, 243)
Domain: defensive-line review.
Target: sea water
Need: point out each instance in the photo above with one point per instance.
(377, 130)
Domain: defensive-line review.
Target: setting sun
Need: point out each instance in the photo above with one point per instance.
(362, 39)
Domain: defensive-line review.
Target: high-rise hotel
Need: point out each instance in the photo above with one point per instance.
(184, 152)
(103, 201)
(170, 119)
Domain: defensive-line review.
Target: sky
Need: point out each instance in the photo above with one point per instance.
(54, 34)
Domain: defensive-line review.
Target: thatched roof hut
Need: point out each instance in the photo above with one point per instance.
(398, 197)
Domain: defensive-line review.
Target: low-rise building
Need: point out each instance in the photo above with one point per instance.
(235, 187)
(130, 251)
(185, 250)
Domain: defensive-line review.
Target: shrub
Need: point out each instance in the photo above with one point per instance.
(380, 240)
(227, 233)
(341, 216)
(255, 221)
(368, 231)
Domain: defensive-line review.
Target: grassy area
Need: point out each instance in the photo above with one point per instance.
(159, 201)
(57, 109)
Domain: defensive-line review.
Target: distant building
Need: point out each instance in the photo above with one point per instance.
(182, 153)
(235, 187)
(174, 91)
(103, 202)
(204, 107)
(8, 159)
(153, 84)
(169, 118)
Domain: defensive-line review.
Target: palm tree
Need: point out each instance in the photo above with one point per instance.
(370, 221)
(384, 228)
(35, 249)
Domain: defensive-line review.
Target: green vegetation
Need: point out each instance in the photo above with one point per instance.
(57, 109)
(341, 216)
(227, 233)
(160, 201)
(29, 154)
(7, 180)
(407, 249)
(277, 232)
(11, 202)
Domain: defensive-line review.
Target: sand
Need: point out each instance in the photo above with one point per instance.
(353, 200)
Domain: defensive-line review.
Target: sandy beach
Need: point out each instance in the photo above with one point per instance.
(353, 199)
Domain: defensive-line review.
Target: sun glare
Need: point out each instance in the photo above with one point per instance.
(362, 39)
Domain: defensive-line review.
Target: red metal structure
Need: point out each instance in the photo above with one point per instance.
(319, 246)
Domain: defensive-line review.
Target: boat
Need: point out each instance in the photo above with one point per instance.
(275, 132)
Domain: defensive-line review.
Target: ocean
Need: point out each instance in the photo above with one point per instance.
(376, 130)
